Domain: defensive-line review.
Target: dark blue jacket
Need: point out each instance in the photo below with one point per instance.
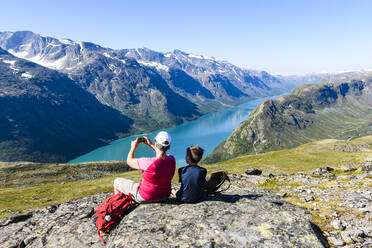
(192, 178)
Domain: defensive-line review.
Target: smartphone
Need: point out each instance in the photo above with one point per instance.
(142, 139)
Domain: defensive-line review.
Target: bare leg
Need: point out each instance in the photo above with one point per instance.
(174, 192)
(125, 186)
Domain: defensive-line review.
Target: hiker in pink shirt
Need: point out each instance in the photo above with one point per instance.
(157, 172)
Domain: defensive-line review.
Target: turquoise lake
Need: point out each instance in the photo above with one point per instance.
(207, 131)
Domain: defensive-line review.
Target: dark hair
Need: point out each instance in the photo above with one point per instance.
(194, 153)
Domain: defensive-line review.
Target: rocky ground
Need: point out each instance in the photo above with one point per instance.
(340, 201)
(333, 210)
(243, 216)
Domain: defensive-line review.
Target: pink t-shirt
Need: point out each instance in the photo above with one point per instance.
(144, 163)
(157, 174)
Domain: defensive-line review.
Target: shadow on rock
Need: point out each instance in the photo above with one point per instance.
(229, 198)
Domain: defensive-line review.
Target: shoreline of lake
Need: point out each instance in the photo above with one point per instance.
(207, 131)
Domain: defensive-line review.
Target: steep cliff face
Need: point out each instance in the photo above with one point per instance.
(45, 116)
(341, 110)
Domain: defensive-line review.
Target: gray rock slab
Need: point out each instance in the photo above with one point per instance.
(243, 216)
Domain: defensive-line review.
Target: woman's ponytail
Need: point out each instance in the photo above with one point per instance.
(163, 149)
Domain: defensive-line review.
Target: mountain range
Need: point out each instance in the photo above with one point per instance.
(153, 89)
(335, 109)
(62, 98)
(141, 89)
(45, 116)
(144, 89)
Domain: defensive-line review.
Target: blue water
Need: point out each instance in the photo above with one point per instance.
(207, 132)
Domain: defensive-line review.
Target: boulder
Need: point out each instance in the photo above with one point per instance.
(367, 167)
(253, 171)
(349, 167)
(325, 172)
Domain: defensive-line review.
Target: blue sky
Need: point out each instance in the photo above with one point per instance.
(282, 37)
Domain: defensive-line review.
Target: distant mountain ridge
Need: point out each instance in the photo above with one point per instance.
(209, 71)
(141, 89)
(46, 117)
(153, 89)
(338, 109)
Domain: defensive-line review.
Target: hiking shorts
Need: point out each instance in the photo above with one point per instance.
(128, 186)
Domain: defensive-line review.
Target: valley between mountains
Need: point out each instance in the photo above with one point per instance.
(338, 109)
(146, 90)
(300, 164)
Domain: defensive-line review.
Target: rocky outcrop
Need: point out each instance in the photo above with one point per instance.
(340, 110)
(243, 216)
(339, 200)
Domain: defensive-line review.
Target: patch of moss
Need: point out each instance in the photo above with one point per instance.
(269, 184)
(345, 179)
(278, 183)
(358, 172)
(347, 173)
(325, 185)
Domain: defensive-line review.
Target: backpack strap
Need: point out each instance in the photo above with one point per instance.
(99, 235)
(105, 230)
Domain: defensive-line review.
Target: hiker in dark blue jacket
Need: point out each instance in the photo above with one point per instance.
(192, 177)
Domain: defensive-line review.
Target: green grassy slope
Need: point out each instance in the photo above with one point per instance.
(329, 152)
(309, 113)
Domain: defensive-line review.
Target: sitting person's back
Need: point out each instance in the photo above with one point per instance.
(157, 172)
(192, 177)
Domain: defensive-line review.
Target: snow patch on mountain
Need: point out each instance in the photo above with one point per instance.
(39, 59)
(154, 64)
(80, 44)
(54, 44)
(11, 62)
(26, 75)
(107, 55)
(21, 54)
(116, 70)
(200, 57)
(65, 41)
(195, 56)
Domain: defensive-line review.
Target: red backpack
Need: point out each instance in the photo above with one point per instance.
(111, 210)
